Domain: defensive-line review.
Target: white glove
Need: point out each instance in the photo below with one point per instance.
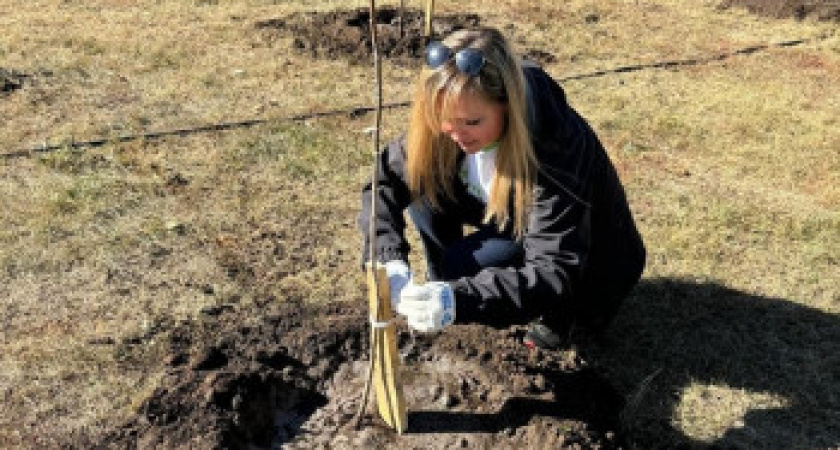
(399, 276)
(427, 307)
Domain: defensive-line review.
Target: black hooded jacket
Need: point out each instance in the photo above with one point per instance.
(583, 252)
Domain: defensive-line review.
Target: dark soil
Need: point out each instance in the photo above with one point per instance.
(292, 377)
(828, 10)
(346, 34)
(11, 80)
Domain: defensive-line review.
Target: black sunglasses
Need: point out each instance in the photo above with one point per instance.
(467, 60)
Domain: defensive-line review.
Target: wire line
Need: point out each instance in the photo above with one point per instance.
(361, 110)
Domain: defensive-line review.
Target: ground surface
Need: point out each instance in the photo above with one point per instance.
(287, 374)
(294, 378)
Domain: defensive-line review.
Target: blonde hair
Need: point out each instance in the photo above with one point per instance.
(432, 156)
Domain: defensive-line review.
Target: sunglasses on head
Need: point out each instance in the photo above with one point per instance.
(467, 60)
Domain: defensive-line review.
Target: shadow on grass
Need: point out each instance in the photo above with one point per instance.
(675, 333)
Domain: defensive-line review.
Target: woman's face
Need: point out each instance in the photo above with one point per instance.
(474, 123)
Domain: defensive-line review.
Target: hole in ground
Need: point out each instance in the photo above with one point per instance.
(295, 379)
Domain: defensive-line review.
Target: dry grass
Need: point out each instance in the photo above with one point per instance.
(732, 168)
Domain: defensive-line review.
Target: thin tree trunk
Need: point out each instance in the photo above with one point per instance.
(374, 191)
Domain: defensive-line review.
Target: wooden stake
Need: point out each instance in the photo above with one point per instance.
(402, 18)
(387, 382)
(430, 10)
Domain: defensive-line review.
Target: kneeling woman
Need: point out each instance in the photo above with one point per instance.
(493, 144)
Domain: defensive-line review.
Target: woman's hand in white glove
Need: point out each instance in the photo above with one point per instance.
(427, 307)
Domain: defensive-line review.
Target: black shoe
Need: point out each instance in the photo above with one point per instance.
(540, 335)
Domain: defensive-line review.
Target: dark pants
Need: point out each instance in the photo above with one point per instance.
(450, 254)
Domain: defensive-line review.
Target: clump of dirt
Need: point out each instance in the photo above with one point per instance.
(292, 377)
(826, 10)
(11, 80)
(346, 34)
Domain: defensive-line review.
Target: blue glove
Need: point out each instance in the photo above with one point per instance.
(427, 307)
(399, 276)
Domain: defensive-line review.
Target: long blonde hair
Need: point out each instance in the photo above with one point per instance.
(432, 156)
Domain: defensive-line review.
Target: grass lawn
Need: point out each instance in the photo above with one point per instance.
(732, 167)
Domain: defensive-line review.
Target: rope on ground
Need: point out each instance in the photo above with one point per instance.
(46, 147)
(183, 132)
(686, 62)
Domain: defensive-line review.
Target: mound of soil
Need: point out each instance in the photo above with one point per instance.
(293, 378)
(828, 10)
(346, 34)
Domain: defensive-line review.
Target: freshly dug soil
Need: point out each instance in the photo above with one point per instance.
(346, 34)
(828, 10)
(293, 377)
